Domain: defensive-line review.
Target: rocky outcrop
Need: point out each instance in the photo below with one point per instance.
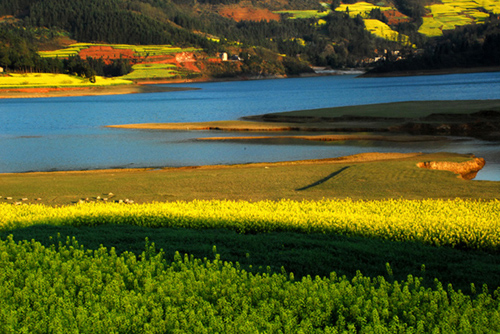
(466, 170)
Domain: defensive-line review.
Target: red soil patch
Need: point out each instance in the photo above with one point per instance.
(395, 17)
(107, 53)
(248, 13)
(185, 60)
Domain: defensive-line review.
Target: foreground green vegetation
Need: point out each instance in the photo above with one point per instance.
(68, 289)
(390, 251)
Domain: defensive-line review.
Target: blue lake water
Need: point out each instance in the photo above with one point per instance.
(68, 133)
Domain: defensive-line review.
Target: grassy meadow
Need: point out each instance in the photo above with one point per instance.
(152, 71)
(410, 109)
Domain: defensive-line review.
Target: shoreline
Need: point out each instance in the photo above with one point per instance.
(355, 158)
(150, 86)
(42, 92)
(424, 72)
(365, 175)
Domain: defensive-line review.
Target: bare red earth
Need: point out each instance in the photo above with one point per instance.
(395, 17)
(248, 13)
(107, 53)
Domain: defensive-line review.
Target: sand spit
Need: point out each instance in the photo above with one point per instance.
(400, 138)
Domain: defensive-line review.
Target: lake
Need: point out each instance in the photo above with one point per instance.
(68, 133)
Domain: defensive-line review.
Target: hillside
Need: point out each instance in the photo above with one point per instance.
(270, 37)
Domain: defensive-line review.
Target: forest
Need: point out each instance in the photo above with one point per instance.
(339, 41)
(465, 47)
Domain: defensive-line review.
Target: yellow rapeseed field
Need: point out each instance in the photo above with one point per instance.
(27, 80)
(360, 8)
(456, 223)
(452, 13)
(380, 29)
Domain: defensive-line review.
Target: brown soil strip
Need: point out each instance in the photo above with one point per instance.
(356, 158)
(83, 91)
(333, 138)
(239, 13)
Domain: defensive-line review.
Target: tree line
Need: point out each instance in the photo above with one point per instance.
(468, 46)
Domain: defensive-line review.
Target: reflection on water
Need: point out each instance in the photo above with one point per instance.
(68, 133)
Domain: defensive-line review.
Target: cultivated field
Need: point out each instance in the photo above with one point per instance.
(380, 29)
(41, 80)
(452, 13)
(139, 51)
(152, 71)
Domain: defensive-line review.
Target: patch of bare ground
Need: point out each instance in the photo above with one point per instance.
(82, 91)
(466, 170)
(239, 13)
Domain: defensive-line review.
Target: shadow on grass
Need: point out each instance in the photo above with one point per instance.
(302, 254)
(323, 180)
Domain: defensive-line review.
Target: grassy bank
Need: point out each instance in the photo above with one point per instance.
(410, 109)
(313, 180)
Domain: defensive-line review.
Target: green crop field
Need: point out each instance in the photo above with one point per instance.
(303, 14)
(151, 71)
(65, 287)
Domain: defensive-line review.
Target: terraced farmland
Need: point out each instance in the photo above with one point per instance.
(116, 49)
(453, 13)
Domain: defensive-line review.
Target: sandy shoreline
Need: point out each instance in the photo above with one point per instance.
(15, 93)
(356, 158)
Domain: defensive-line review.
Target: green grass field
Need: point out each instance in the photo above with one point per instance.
(409, 109)
(152, 71)
(303, 14)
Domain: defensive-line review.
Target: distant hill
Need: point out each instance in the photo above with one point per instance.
(290, 35)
